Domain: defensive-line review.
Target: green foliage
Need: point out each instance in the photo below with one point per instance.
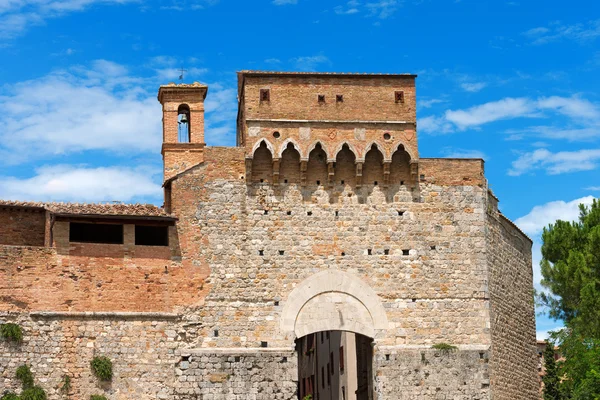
(551, 379)
(97, 397)
(66, 386)
(444, 347)
(11, 332)
(571, 271)
(307, 397)
(9, 396)
(102, 368)
(34, 393)
(25, 376)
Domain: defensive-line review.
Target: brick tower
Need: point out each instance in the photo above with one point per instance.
(183, 137)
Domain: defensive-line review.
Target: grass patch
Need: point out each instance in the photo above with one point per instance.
(9, 396)
(444, 347)
(34, 393)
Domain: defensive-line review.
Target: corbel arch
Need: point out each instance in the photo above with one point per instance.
(311, 147)
(284, 146)
(380, 147)
(267, 143)
(413, 157)
(339, 148)
(358, 308)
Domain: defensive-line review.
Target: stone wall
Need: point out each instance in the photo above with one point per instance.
(432, 374)
(513, 366)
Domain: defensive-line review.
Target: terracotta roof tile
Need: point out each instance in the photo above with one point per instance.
(147, 210)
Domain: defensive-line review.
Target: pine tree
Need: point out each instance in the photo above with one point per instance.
(551, 379)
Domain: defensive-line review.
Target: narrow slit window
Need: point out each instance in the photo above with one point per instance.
(265, 95)
(339, 98)
(151, 235)
(321, 98)
(399, 96)
(96, 233)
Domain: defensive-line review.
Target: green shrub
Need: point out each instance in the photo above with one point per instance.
(307, 397)
(66, 386)
(9, 396)
(444, 347)
(25, 376)
(102, 368)
(97, 397)
(34, 393)
(11, 332)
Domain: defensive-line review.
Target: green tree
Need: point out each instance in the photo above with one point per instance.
(551, 378)
(571, 271)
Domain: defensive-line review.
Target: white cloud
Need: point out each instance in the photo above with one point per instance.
(473, 87)
(16, 16)
(434, 125)
(82, 184)
(556, 163)
(593, 188)
(541, 216)
(580, 32)
(310, 63)
(584, 116)
(429, 103)
(382, 9)
(100, 108)
(493, 111)
(464, 153)
(351, 7)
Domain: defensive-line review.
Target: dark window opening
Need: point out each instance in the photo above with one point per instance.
(405, 252)
(399, 95)
(289, 213)
(321, 98)
(387, 136)
(263, 344)
(339, 98)
(261, 252)
(281, 252)
(400, 213)
(265, 95)
(369, 251)
(386, 252)
(276, 135)
(216, 333)
(96, 233)
(151, 235)
(237, 358)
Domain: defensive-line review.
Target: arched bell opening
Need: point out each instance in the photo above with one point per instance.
(183, 124)
(262, 164)
(289, 170)
(345, 167)
(373, 167)
(400, 167)
(316, 170)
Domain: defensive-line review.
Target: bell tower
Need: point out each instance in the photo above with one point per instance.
(183, 126)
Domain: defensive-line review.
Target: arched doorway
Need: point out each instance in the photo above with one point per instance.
(330, 310)
(335, 365)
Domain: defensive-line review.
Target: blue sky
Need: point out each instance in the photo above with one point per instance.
(514, 82)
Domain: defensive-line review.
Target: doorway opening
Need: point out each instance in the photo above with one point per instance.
(335, 365)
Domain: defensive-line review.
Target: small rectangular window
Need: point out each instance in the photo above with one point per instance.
(96, 233)
(151, 235)
(265, 95)
(321, 98)
(339, 98)
(341, 358)
(399, 96)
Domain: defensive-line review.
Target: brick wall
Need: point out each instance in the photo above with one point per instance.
(22, 227)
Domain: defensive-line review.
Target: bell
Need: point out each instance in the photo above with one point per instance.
(184, 119)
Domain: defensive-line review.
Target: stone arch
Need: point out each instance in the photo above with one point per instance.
(340, 300)
(262, 163)
(340, 147)
(289, 168)
(380, 147)
(312, 147)
(345, 166)
(400, 166)
(285, 144)
(316, 169)
(268, 145)
(373, 166)
(397, 146)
